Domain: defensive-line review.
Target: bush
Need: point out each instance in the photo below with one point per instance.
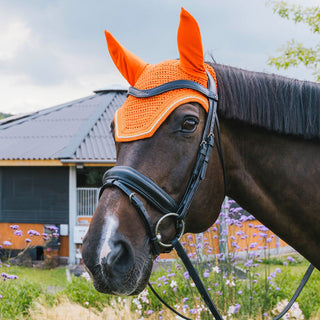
(17, 298)
(81, 291)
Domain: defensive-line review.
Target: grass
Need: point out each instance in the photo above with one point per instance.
(28, 296)
(55, 277)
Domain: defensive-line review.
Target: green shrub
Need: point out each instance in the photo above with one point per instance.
(17, 298)
(81, 291)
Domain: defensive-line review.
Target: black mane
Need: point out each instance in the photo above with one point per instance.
(270, 101)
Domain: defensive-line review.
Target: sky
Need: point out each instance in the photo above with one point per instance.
(54, 51)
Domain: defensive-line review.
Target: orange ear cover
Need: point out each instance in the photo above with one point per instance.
(127, 63)
(190, 44)
(140, 118)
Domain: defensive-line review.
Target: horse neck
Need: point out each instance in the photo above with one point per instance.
(276, 178)
(287, 113)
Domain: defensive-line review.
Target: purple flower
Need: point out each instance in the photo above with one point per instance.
(290, 259)
(193, 311)
(7, 243)
(185, 299)
(263, 235)
(27, 240)
(262, 228)
(253, 245)
(33, 233)
(149, 312)
(206, 274)
(248, 263)
(237, 307)
(14, 227)
(186, 275)
(18, 233)
(6, 276)
(52, 228)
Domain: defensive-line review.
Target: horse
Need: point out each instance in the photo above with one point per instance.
(267, 159)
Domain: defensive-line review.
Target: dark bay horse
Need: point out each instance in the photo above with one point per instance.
(270, 136)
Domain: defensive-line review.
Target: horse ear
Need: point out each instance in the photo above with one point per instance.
(190, 44)
(127, 63)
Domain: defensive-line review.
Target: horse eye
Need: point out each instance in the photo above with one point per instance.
(189, 125)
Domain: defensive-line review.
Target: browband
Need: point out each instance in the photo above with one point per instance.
(172, 85)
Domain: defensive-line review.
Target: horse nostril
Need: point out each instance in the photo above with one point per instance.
(120, 259)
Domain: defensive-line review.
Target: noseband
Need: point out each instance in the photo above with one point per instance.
(131, 181)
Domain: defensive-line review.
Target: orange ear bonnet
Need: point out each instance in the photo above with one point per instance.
(139, 118)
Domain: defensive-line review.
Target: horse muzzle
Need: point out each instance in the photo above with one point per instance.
(114, 266)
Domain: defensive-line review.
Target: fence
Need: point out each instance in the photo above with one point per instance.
(87, 199)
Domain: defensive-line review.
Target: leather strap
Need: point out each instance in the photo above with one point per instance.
(143, 185)
(196, 279)
(172, 85)
(296, 294)
(143, 214)
(204, 153)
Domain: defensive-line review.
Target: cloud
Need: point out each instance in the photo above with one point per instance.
(55, 51)
(13, 37)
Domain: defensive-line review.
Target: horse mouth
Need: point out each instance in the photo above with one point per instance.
(132, 282)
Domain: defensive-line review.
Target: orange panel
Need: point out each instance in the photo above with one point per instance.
(19, 242)
(84, 220)
(64, 246)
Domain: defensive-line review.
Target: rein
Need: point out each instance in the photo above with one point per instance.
(130, 181)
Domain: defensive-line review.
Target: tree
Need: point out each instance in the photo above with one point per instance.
(4, 115)
(294, 53)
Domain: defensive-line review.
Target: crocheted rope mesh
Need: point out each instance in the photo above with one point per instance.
(139, 118)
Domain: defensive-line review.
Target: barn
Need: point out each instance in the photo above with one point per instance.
(51, 164)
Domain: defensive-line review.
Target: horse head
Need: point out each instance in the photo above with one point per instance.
(157, 138)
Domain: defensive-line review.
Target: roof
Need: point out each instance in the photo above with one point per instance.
(77, 131)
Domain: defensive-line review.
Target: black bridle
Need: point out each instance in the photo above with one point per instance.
(130, 181)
